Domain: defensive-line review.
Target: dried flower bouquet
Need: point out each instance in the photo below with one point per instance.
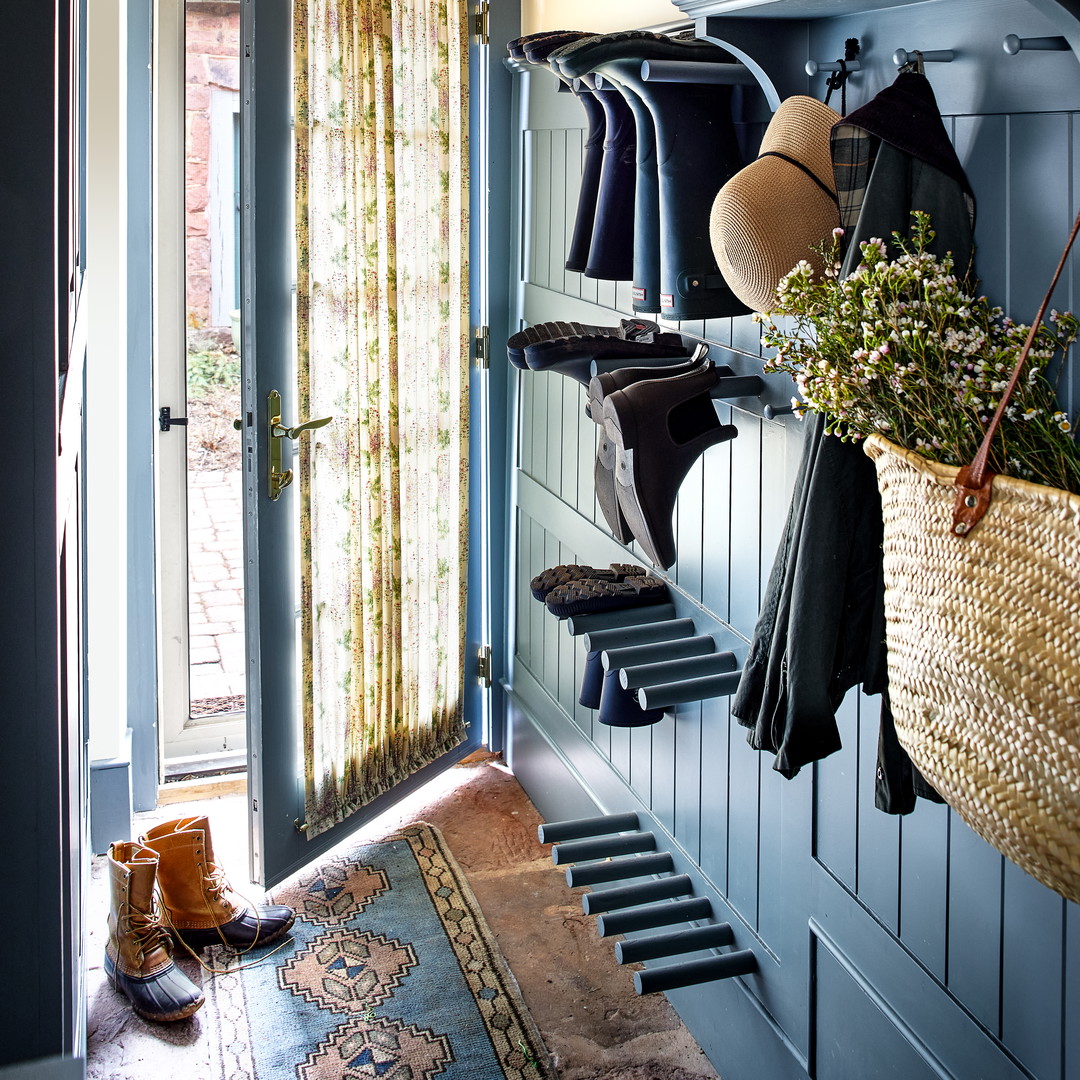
(901, 348)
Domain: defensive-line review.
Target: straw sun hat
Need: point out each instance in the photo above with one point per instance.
(770, 214)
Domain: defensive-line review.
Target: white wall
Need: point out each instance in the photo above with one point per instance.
(598, 15)
(105, 463)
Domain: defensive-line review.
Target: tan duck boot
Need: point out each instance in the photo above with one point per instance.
(138, 955)
(201, 906)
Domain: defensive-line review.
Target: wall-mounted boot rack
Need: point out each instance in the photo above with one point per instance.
(652, 661)
(613, 848)
(689, 71)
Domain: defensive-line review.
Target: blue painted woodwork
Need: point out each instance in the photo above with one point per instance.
(886, 947)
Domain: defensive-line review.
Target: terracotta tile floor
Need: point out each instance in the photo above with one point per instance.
(593, 1023)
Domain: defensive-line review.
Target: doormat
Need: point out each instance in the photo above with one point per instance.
(391, 973)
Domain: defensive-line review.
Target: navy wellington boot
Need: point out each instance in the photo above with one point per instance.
(592, 681)
(619, 707)
(611, 251)
(535, 49)
(697, 153)
(645, 292)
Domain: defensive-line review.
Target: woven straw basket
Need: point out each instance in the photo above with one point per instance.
(984, 656)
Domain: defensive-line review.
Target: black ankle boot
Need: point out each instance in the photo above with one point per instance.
(659, 428)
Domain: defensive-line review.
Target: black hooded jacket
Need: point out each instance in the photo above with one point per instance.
(821, 629)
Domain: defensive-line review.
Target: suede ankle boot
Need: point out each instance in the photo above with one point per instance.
(138, 955)
(201, 906)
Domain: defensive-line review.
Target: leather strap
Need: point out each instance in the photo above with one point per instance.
(799, 165)
(974, 482)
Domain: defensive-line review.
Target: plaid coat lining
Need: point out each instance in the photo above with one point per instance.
(853, 152)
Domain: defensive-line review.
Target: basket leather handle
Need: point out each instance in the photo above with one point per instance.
(974, 482)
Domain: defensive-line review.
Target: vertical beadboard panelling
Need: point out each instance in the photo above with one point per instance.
(641, 770)
(663, 771)
(553, 385)
(1031, 972)
(557, 183)
(533, 653)
(540, 233)
(924, 883)
(713, 786)
(527, 200)
(773, 907)
(878, 835)
(1039, 161)
(982, 145)
(688, 526)
(745, 554)
(619, 751)
(575, 141)
(552, 556)
(836, 798)
(572, 404)
(1071, 992)
(744, 794)
(974, 972)
(524, 612)
(716, 525)
(538, 403)
(689, 764)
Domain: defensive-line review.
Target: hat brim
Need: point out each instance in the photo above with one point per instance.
(764, 220)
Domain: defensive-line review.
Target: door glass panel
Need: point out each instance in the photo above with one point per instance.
(214, 499)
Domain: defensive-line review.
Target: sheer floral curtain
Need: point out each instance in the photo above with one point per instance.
(382, 310)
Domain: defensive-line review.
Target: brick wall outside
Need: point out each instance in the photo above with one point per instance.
(213, 60)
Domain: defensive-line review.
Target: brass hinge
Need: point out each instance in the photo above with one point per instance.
(483, 665)
(481, 347)
(480, 23)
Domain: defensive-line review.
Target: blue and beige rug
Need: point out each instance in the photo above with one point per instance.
(391, 973)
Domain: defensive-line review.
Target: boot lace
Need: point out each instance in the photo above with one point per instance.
(146, 929)
(216, 885)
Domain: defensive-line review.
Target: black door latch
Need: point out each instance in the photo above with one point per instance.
(166, 419)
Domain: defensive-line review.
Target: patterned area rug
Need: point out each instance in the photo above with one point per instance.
(391, 973)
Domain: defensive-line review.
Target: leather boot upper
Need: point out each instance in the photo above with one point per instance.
(138, 943)
(193, 887)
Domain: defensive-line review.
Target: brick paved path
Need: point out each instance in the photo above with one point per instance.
(216, 589)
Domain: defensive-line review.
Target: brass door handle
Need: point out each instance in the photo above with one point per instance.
(278, 480)
(279, 430)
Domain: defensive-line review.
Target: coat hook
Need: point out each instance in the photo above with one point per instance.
(814, 66)
(771, 412)
(933, 56)
(1013, 44)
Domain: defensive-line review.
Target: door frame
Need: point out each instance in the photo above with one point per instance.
(179, 735)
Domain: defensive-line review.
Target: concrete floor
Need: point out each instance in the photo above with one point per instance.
(594, 1024)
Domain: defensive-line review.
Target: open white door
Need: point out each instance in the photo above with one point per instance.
(279, 846)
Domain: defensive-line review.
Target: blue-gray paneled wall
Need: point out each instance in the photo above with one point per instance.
(887, 947)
